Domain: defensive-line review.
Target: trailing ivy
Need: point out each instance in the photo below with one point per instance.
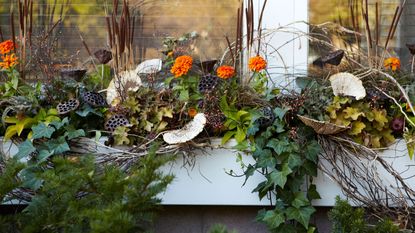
(288, 159)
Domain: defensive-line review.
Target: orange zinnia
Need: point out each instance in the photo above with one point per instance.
(181, 66)
(392, 63)
(257, 63)
(192, 112)
(225, 72)
(9, 61)
(6, 46)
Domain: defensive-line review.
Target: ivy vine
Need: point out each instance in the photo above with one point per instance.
(288, 157)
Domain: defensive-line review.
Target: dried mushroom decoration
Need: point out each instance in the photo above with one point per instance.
(68, 106)
(116, 120)
(188, 132)
(94, 99)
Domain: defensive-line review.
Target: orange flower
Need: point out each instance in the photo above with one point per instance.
(181, 66)
(6, 46)
(192, 112)
(257, 63)
(225, 72)
(392, 63)
(9, 61)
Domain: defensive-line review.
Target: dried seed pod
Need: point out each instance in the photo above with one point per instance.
(94, 99)
(116, 120)
(267, 118)
(207, 83)
(68, 106)
(103, 56)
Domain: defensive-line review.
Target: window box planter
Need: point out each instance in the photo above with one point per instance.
(203, 178)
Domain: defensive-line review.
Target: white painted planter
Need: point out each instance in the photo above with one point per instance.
(207, 183)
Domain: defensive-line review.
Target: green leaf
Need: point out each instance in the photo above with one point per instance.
(410, 143)
(74, 133)
(25, 148)
(59, 124)
(184, 95)
(44, 155)
(26, 123)
(228, 135)
(302, 215)
(280, 113)
(273, 218)
(312, 151)
(352, 113)
(300, 200)
(279, 146)
(312, 193)
(240, 135)
(280, 177)
(294, 160)
(357, 128)
(42, 131)
(59, 145)
(10, 132)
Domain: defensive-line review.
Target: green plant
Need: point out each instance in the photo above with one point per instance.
(347, 219)
(368, 125)
(237, 122)
(219, 228)
(77, 196)
(287, 159)
(20, 122)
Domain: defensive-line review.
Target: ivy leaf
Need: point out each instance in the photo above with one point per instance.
(352, 113)
(302, 215)
(280, 177)
(41, 130)
(86, 110)
(279, 146)
(312, 193)
(44, 155)
(25, 148)
(273, 218)
(72, 133)
(312, 151)
(357, 128)
(280, 113)
(294, 160)
(265, 158)
(300, 200)
(60, 124)
(59, 145)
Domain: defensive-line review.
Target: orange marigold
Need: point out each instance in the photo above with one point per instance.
(225, 72)
(6, 46)
(181, 66)
(392, 63)
(192, 112)
(257, 63)
(9, 61)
